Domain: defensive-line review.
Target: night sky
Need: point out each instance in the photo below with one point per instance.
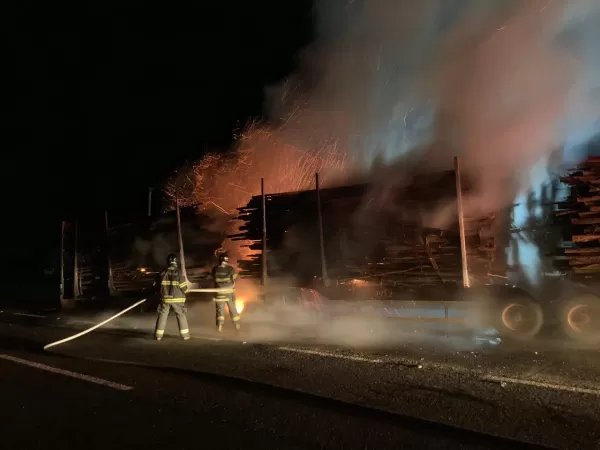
(112, 98)
(102, 101)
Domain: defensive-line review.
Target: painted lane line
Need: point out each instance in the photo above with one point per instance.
(67, 373)
(206, 338)
(29, 315)
(489, 378)
(556, 387)
(83, 322)
(330, 355)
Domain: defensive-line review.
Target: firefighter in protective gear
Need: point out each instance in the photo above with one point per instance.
(172, 296)
(224, 276)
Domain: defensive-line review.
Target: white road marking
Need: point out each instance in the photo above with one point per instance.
(206, 338)
(556, 387)
(29, 315)
(442, 366)
(83, 322)
(330, 355)
(79, 376)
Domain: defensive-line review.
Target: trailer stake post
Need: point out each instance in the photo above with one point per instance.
(461, 225)
(76, 290)
(112, 291)
(180, 238)
(324, 277)
(62, 261)
(263, 273)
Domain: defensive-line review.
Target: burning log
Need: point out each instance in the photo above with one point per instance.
(579, 219)
(569, 251)
(579, 238)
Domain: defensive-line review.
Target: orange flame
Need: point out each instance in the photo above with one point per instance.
(225, 182)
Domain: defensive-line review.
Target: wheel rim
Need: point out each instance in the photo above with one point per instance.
(579, 318)
(517, 317)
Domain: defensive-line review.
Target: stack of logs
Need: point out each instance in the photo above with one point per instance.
(579, 220)
(388, 244)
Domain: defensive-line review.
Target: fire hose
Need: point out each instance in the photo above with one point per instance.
(84, 332)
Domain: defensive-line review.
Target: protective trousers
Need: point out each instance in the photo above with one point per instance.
(220, 301)
(163, 313)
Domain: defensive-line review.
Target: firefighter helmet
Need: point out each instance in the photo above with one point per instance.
(172, 259)
(223, 258)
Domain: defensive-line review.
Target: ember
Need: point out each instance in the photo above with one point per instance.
(225, 182)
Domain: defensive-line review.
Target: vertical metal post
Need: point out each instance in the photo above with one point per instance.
(263, 273)
(150, 201)
(62, 260)
(76, 292)
(112, 291)
(180, 239)
(461, 225)
(321, 238)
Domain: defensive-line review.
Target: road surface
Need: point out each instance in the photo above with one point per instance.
(238, 392)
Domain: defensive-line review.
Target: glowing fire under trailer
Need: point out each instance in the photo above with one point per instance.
(338, 246)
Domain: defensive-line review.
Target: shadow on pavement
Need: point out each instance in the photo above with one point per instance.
(16, 343)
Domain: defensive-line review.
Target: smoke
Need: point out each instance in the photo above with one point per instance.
(202, 236)
(501, 84)
(287, 318)
(389, 85)
(506, 86)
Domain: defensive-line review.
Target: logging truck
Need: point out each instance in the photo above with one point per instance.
(377, 247)
(341, 244)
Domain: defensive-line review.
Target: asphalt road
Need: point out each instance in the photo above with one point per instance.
(234, 391)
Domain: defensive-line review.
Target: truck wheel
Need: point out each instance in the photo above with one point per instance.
(519, 318)
(580, 318)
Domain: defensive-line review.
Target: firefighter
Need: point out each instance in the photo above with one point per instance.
(172, 296)
(224, 276)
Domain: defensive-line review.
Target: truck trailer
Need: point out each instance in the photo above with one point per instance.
(376, 249)
(378, 246)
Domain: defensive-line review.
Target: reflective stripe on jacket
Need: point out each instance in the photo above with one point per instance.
(224, 277)
(172, 286)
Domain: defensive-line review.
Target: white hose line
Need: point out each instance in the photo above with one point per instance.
(92, 328)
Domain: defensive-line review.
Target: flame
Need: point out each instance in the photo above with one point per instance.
(225, 182)
(239, 305)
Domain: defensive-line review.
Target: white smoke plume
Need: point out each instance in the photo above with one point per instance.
(511, 87)
(502, 84)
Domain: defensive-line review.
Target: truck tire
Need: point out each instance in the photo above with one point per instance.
(518, 318)
(580, 318)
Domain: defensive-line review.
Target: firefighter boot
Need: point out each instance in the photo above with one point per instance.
(219, 328)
